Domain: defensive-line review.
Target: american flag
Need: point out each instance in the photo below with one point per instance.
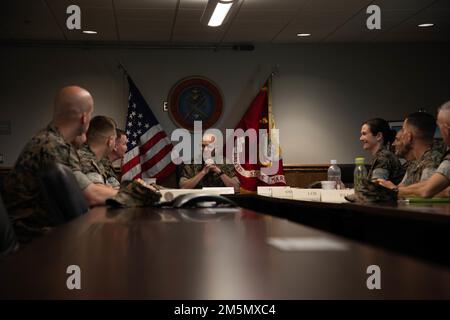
(149, 148)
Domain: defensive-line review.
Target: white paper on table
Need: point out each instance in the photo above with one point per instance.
(282, 192)
(335, 196)
(307, 244)
(306, 194)
(264, 191)
(170, 194)
(219, 190)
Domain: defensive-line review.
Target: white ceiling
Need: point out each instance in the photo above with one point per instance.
(255, 21)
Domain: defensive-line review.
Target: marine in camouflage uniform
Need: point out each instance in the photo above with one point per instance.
(439, 145)
(386, 165)
(134, 193)
(22, 195)
(422, 169)
(112, 178)
(95, 169)
(211, 179)
(444, 167)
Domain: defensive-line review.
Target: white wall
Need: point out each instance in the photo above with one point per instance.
(321, 94)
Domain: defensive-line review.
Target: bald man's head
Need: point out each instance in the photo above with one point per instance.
(443, 121)
(73, 105)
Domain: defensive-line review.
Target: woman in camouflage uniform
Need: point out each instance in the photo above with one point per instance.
(376, 137)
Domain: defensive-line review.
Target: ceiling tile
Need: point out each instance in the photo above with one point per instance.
(28, 19)
(189, 29)
(145, 4)
(276, 21)
(193, 4)
(254, 31)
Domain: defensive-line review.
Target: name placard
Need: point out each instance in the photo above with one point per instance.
(335, 196)
(170, 194)
(219, 190)
(306, 194)
(275, 192)
(282, 192)
(264, 191)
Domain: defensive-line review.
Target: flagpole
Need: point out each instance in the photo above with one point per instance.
(121, 67)
(125, 88)
(269, 97)
(269, 103)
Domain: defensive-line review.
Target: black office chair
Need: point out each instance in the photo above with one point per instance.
(62, 193)
(8, 241)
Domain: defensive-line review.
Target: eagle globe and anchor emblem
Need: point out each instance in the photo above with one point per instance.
(195, 99)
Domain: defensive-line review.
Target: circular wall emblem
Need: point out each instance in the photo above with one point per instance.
(195, 99)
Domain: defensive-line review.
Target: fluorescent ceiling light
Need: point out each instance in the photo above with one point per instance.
(89, 32)
(303, 34)
(424, 25)
(220, 12)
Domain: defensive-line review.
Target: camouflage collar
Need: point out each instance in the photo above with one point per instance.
(106, 161)
(446, 153)
(54, 130)
(380, 150)
(87, 148)
(425, 153)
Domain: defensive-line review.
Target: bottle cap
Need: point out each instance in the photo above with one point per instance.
(359, 160)
(333, 161)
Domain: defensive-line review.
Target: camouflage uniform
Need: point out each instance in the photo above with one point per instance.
(386, 166)
(112, 178)
(444, 167)
(210, 179)
(369, 191)
(22, 195)
(439, 145)
(94, 169)
(423, 168)
(135, 194)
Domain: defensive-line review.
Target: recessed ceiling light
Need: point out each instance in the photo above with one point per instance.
(303, 34)
(424, 25)
(89, 32)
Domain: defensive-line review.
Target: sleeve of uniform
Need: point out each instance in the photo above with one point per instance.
(184, 174)
(427, 173)
(82, 179)
(444, 169)
(382, 168)
(228, 169)
(405, 179)
(187, 172)
(380, 173)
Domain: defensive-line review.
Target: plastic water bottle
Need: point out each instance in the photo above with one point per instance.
(334, 174)
(360, 172)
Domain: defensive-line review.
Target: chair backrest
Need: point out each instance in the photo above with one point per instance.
(8, 241)
(62, 192)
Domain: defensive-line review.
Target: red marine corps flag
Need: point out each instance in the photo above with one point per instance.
(263, 172)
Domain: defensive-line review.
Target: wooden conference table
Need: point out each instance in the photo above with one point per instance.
(156, 253)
